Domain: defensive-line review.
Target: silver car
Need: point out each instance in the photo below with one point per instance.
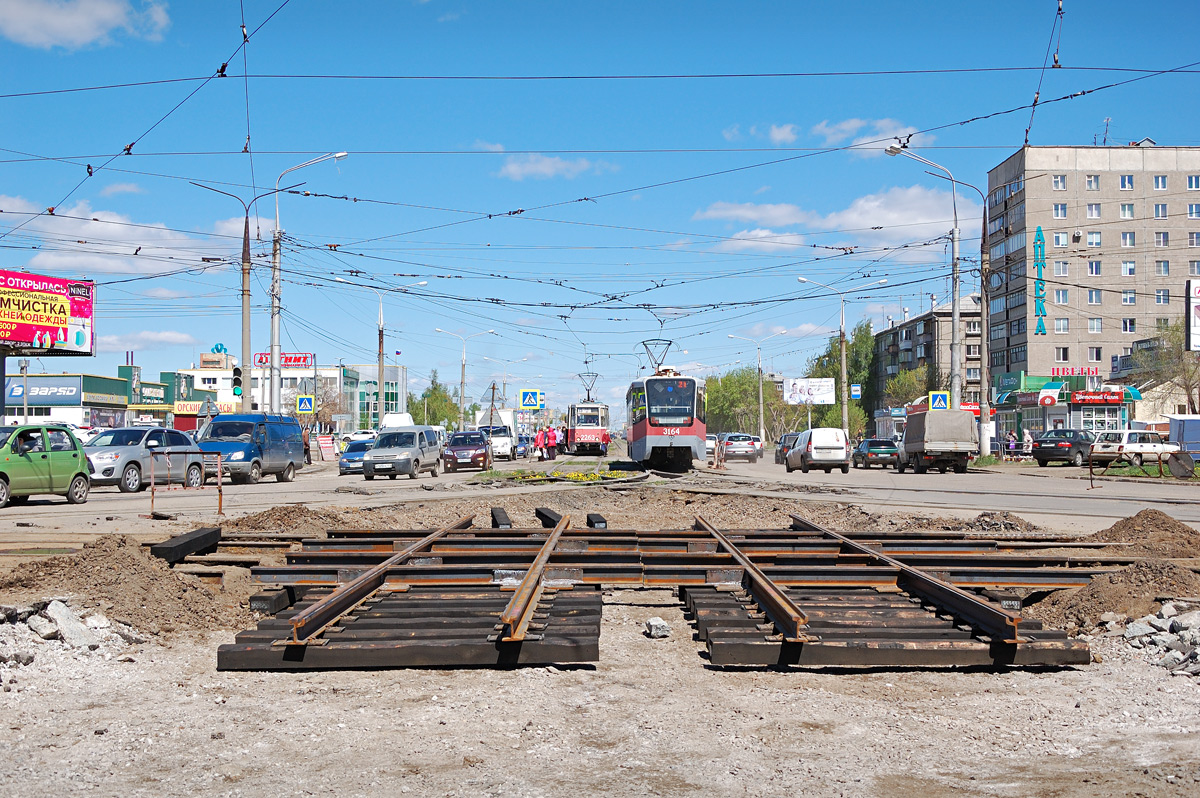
(129, 457)
(405, 450)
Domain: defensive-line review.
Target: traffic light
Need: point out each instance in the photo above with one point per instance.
(237, 380)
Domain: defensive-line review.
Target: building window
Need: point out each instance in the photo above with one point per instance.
(1060, 239)
(1162, 296)
(1016, 327)
(1162, 239)
(1095, 325)
(1126, 182)
(1062, 354)
(1060, 296)
(1100, 418)
(1128, 325)
(996, 331)
(1129, 239)
(1093, 268)
(1128, 297)
(1194, 268)
(1193, 182)
(1093, 210)
(1018, 270)
(973, 374)
(1194, 210)
(1094, 296)
(1160, 182)
(1058, 182)
(1161, 325)
(1093, 238)
(1061, 326)
(1017, 354)
(1094, 354)
(1060, 268)
(996, 279)
(1128, 268)
(1126, 210)
(1092, 182)
(1194, 239)
(996, 305)
(972, 350)
(1060, 210)
(973, 327)
(998, 358)
(1160, 210)
(1162, 268)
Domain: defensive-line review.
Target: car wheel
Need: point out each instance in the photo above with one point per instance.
(1137, 460)
(1078, 459)
(803, 467)
(920, 469)
(131, 479)
(1043, 463)
(845, 469)
(788, 467)
(368, 477)
(900, 467)
(78, 492)
(287, 474)
(416, 470)
(433, 472)
(960, 468)
(4, 494)
(255, 473)
(194, 477)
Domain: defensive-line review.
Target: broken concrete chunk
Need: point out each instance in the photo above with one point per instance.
(1168, 610)
(1138, 629)
(1161, 624)
(70, 629)
(97, 621)
(1188, 620)
(657, 628)
(1113, 618)
(42, 627)
(8, 613)
(128, 634)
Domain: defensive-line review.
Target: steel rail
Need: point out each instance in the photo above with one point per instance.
(517, 615)
(997, 622)
(782, 611)
(315, 619)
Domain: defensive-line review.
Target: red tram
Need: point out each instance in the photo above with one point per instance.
(666, 420)
(587, 423)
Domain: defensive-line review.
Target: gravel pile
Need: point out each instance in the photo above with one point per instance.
(1153, 533)
(1169, 638)
(1129, 592)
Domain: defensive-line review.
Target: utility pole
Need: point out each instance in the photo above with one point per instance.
(462, 379)
(380, 383)
(762, 429)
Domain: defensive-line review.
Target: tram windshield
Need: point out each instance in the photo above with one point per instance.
(671, 402)
(587, 417)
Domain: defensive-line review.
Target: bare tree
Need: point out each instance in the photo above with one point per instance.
(1171, 364)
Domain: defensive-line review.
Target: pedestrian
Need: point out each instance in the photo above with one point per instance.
(1012, 444)
(1027, 444)
(562, 439)
(307, 434)
(605, 440)
(551, 442)
(539, 444)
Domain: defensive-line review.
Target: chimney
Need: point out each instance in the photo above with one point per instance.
(906, 314)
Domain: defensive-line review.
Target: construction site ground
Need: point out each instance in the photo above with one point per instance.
(650, 718)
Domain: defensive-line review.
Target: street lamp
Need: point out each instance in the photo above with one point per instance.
(276, 375)
(762, 428)
(842, 341)
(462, 380)
(504, 383)
(380, 394)
(955, 335)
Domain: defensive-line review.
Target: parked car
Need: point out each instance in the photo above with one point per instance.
(501, 439)
(739, 445)
(1069, 445)
(783, 446)
(1136, 445)
(254, 445)
(821, 447)
(132, 457)
(874, 451)
(758, 444)
(467, 450)
(524, 446)
(406, 450)
(359, 435)
(710, 446)
(351, 461)
(38, 459)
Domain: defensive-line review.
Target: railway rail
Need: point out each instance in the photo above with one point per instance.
(468, 595)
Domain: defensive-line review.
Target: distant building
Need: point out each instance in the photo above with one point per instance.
(924, 340)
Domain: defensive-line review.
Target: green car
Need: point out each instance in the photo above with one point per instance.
(42, 459)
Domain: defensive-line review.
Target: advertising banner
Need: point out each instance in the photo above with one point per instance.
(809, 391)
(287, 360)
(194, 408)
(44, 391)
(1192, 319)
(1097, 397)
(46, 313)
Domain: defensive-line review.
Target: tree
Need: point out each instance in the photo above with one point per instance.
(329, 401)
(1171, 364)
(860, 355)
(906, 386)
(435, 405)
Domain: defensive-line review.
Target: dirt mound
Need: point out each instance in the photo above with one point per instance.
(1153, 533)
(297, 519)
(116, 576)
(990, 523)
(1130, 591)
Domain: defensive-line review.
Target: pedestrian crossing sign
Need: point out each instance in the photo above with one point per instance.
(939, 400)
(533, 400)
(304, 404)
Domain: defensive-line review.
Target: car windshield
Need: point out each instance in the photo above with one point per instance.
(496, 431)
(738, 439)
(1058, 433)
(357, 446)
(228, 431)
(467, 439)
(396, 440)
(118, 437)
(671, 401)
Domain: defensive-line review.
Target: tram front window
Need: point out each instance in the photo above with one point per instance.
(587, 418)
(671, 402)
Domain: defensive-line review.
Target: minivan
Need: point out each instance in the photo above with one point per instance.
(253, 445)
(404, 450)
(822, 447)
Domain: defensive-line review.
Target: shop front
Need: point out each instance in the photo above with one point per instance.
(889, 422)
(1074, 402)
(84, 400)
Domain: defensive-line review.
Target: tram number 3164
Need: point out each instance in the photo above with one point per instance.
(671, 431)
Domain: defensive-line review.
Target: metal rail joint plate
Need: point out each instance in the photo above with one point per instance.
(519, 612)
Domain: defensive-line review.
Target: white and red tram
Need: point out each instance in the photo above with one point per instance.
(666, 420)
(587, 423)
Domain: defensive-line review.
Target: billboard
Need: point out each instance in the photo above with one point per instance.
(46, 313)
(44, 391)
(1192, 319)
(809, 391)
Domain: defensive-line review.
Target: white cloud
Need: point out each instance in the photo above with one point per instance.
(760, 240)
(451, 17)
(235, 227)
(838, 131)
(903, 214)
(164, 293)
(732, 133)
(782, 134)
(777, 214)
(77, 23)
(762, 189)
(542, 167)
(889, 130)
(805, 330)
(146, 339)
(121, 188)
(487, 146)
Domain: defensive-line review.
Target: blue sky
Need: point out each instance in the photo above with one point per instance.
(650, 207)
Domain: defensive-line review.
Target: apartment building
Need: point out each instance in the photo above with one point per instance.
(924, 340)
(1090, 248)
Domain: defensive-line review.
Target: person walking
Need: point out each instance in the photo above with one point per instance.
(307, 436)
(539, 443)
(551, 442)
(1027, 444)
(1011, 442)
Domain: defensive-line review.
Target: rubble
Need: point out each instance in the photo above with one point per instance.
(657, 628)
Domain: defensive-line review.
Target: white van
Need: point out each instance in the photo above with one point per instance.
(823, 447)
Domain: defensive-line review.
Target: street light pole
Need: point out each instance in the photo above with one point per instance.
(462, 379)
(245, 360)
(504, 383)
(762, 427)
(276, 373)
(955, 334)
(842, 343)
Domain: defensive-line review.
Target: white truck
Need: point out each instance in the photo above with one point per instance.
(499, 424)
(938, 439)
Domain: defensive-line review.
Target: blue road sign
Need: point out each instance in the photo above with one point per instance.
(304, 404)
(939, 400)
(855, 391)
(533, 400)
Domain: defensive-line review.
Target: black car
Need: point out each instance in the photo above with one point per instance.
(783, 446)
(1069, 445)
(875, 451)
